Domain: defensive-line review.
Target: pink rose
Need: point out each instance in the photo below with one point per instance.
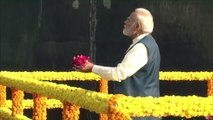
(209, 118)
(79, 60)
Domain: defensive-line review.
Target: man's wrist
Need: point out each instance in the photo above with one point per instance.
(92, 65)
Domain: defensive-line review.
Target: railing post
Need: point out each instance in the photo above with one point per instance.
(17, 102)
(2, 96)
(103, 86)
(70, 111)
(116, 113)
(210, 87)
(210, 93)
(39, 108)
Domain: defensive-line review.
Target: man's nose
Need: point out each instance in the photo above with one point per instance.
(125, 21)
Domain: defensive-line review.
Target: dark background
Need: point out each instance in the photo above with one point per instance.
(41, 35)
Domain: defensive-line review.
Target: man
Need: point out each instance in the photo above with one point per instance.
(138, 72)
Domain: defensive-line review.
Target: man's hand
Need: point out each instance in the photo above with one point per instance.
(87, 67)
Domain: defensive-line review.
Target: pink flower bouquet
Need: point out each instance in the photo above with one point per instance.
(209, 118)
(79, 60)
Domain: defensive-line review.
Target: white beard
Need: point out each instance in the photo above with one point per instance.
(127, 32)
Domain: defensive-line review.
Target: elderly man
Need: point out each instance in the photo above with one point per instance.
(138, 73)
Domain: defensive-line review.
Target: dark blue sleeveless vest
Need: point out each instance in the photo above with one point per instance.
(145, 82)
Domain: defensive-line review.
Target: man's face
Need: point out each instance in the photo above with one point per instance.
(129, 25)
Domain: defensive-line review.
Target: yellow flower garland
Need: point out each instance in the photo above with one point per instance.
(175, 75)
(52, 76)
(189, 106)
(195, 105)
(2, 96)
(39, 109)
(210, 87)
(104, 89)
(128, 105)
(70, 111)
(28, 104)
(5, 114)
(115, 112)
(103, 86)
(63, 76)
(17, 102)
(73, 95)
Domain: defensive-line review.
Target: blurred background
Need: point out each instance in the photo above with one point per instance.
(44, 35)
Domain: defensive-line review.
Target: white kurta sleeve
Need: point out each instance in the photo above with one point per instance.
(135, 59)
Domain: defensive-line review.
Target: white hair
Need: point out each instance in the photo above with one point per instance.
(146, 19)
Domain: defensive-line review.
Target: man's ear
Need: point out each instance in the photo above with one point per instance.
(139, 27)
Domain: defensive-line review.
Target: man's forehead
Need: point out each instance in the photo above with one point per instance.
(133, 14)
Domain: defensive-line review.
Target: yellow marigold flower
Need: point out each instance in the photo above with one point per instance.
(6, 114)
(39, 108)
(123, 106)
(17, 102)
(2, 96)
(70, 111)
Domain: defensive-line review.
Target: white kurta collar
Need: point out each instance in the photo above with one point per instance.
(134, 41)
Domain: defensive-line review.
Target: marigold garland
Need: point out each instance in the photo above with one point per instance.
(39, 109)
(190, 106)
(52, 76)
(28, 104)
(2, 96)
(17, 102)
(103, 86)
(73, 75)
(210, 87)
(6, 114)
(95, 101)
(190, 76)
(115, 112)
(70, 111)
